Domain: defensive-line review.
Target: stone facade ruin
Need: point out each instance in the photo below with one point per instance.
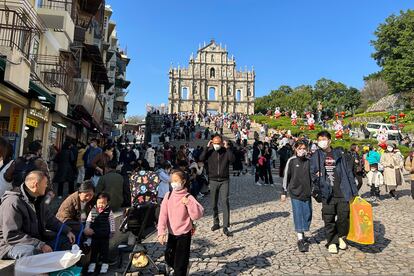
(212, 84)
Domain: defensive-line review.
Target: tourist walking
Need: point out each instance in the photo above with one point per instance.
(333, 185)
(393, 175)
(219, 156)
(409, 166)
(65, 175)
(179, 210)
(297, 181)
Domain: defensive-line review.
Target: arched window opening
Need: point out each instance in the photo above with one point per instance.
(212, 73)
(238, 95)
(184, 93)
(212, 94)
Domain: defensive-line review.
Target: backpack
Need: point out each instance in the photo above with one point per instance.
(22, 168)
(262, 160)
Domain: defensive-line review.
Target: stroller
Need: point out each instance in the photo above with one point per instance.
(140, 219)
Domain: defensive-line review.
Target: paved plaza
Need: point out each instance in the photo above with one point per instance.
(264, 241)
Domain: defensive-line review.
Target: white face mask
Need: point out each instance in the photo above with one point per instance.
(323, 144)
(176, 186)
(301, 153)
(390, 149)
(216, 147)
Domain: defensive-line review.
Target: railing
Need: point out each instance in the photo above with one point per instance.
(55, 71)
(15, 32)
(65, 5)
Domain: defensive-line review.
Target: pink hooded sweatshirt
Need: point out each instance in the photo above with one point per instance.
(177, 216)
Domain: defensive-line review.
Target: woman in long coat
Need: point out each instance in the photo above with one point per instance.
(393, 165)
(65, 174)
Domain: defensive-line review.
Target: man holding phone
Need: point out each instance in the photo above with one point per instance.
(218, 156)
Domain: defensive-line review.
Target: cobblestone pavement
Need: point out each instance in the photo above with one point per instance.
(264, 242)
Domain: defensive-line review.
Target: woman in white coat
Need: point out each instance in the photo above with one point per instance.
(393, 165)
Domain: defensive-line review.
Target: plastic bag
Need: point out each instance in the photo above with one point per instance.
(361, 226)
(47, 262)
(71, 271)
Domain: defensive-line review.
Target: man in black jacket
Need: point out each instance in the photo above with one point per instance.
(218, 155)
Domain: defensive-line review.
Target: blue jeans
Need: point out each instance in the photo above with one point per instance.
(22, 250)
(302, 214)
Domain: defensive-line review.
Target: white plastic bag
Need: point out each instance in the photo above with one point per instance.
(47, 262)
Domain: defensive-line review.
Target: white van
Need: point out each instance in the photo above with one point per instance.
(390, 129)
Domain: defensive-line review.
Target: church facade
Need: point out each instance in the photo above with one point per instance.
(211, 84)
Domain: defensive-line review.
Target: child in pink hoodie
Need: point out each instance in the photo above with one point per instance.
(178, 211)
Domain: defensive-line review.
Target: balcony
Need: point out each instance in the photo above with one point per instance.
(84, 95)
(19, 25)
(56, 14)
(54, 71)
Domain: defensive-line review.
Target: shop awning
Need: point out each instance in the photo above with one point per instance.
(2, 64)
(43, 96)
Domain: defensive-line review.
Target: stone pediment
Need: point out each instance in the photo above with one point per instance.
(212, 47)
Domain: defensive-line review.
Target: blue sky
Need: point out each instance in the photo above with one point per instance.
(289, 42)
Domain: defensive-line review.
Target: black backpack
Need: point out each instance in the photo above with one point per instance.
(22, 168)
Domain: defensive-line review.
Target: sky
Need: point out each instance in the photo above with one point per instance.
(289, 42)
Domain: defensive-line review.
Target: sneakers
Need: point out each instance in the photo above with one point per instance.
(227, 232)
(333, 249)
(215, 227)
(91, 268)
(88, 242)
(258, 183)
(104, 268)
(302, 246)
(342, 244)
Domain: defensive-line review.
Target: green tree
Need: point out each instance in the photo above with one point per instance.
(394, 51)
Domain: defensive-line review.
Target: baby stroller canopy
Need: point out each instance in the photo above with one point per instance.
(144, 187)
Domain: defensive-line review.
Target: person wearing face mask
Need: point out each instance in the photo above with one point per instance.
(334, 185)
(179, 210)
(297, 181)
(219, 156)
(375, 181)
(393, 175)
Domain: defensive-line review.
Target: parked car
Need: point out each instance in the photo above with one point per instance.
(390, 129)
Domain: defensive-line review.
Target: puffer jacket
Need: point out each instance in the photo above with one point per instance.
(20, 223)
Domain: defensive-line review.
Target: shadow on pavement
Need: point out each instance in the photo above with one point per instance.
(259, 219)
(381, 242)
(237, 267)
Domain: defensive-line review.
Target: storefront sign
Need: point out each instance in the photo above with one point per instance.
(14, 123)
(41, 114)
(31, 122)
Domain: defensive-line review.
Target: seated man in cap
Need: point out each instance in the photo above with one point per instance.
(25, 219)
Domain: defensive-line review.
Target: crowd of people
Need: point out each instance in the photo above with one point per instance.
(97, 181)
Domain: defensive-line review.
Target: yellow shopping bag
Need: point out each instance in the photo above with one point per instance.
(361, 223)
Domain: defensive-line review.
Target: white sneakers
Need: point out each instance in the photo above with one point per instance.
(258, 183)
(92, 266)
(333, 249)
(104, 268)
(342, 244)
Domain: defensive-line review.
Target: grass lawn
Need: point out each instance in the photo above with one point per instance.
(284, 123)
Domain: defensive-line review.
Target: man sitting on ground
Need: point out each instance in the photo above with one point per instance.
(25, 218)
